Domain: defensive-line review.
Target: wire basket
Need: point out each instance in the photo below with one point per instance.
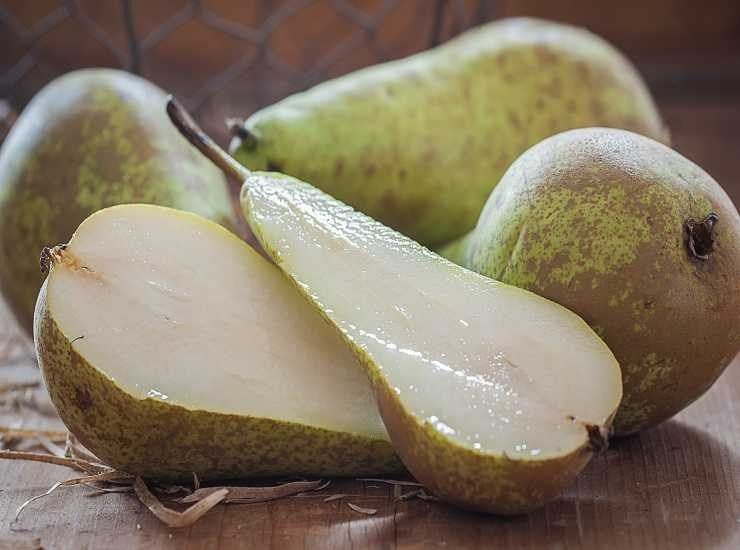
(224, 58)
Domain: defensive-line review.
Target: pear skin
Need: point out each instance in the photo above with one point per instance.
(639, 241)
(419, 143)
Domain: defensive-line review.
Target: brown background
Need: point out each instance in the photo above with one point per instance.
(677, 486)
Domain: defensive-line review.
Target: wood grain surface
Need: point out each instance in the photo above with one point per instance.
(676, 486)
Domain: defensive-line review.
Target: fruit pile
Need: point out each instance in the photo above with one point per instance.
(595, 288)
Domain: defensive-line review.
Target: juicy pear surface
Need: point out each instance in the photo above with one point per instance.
(595, 219)
(170, 347)
(490, 393)
(419, 143)
(90, 139)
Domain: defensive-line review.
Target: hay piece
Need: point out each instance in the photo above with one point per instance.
(409, 495)
(19, 386)
(21, 544)
(74, 463)
(338, 496)
(50, 447)
(104, 476)
(13, 433)
(248, 495)
(174, 519)
(390, 481)
(75, 449)
(361, 510)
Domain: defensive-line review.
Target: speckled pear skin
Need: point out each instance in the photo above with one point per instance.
(167, 442)
(473, 480)
(594, 219)
(419, 143)
(90, 139)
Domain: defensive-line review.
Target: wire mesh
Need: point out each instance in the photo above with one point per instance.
(222, 57)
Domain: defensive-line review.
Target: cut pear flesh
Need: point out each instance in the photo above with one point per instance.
(485, 367)
(173, 310)
(488, 365)
(494, 397)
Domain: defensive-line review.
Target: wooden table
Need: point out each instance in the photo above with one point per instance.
(676, 486)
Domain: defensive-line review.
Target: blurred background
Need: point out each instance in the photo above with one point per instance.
(228, 58)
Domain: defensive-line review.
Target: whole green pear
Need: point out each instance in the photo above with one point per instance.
(91, 139)
(635, 238)
(419, 143)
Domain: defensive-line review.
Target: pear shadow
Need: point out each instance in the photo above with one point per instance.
(672, 486)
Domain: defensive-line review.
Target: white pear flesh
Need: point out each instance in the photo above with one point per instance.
(464, 367)
(171, 308)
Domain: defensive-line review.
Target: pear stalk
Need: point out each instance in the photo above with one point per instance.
(203, 142)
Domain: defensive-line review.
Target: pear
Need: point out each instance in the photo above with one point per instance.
(169, 347)
(419, 143)
(494, 397)
(91, 139)
(635, 238)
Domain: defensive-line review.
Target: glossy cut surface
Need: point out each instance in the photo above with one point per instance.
(169, 347)
(490, 367)
(176, 309)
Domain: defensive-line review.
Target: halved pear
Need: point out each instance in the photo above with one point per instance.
(494, 397)
(171, 347)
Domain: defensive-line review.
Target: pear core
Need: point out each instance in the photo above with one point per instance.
(176, 309)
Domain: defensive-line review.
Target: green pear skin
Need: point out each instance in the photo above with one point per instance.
(90, 139)
(598, 221)
(419, 143)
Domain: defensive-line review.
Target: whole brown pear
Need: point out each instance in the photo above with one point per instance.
(639, 241)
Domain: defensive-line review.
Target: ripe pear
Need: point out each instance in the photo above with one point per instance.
(494, 398)
(91, 139)
(635, 238)
(169, 347)
(419, 143)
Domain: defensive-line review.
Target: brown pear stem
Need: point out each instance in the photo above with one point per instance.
(50, 256)
(210, 149)
(598, 438)
(700, 237)
(237, 129)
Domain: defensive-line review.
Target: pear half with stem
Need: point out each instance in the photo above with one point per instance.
(169, 347)
(494, 397)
